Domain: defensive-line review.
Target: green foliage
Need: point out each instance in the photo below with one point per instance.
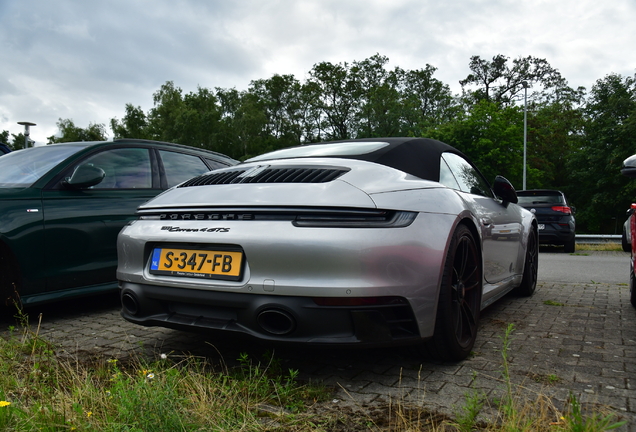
(497, 81)
(575, 420)
(146, 401)
(17, 142)
(133, 125)
(39, 391)
(599, 192)
(575, 142)
(491, 136)
(466, 415)
(71, 133)
(552, 303)
(177, 393)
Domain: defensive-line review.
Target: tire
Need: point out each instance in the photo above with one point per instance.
(570, 245)
(459, 301)
(632, 287)
(530, 268)
(626, 246)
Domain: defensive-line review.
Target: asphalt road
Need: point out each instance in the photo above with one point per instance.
(584, 267)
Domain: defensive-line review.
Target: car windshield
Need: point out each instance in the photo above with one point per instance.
(322, 150)
(22, 168)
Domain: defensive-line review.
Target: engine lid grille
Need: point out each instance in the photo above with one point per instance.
(268, 174)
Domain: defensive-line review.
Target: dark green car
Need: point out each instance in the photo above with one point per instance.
(62, 206)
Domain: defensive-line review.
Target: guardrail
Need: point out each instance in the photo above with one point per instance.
(598, 238)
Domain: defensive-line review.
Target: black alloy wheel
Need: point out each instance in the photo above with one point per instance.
(459, 300)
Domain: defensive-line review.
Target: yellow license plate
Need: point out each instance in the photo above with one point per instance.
(211, 264)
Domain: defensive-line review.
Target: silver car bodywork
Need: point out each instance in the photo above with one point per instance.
(297, 250)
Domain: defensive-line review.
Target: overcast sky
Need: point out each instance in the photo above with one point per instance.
(85, 60)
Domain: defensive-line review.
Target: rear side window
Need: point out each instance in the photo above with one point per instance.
(180, 167)
(446, 177)
(215, 164)
(467, 177)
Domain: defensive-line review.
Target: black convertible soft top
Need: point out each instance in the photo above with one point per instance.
(416, 156)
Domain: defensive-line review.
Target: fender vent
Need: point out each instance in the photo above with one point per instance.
(268, 175)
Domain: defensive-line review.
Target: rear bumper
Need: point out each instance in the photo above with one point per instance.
(560, 235)
(290, 319)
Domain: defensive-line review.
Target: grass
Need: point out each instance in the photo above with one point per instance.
(607, 247)
(42, 392)
(39, 391)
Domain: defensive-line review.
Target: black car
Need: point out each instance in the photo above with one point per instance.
(554, 214)
(62, 206)
(4, 149)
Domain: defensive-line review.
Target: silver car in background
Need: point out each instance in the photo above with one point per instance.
(371, 242)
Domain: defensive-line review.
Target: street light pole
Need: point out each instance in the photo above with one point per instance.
(525, 129)
(26, 132)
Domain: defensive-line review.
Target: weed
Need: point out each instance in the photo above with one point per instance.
(575, 420)
(466, 415)
(39, 391)
(552, 303)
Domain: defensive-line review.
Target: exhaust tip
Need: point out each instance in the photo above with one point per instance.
(276, 321)
(130, 303)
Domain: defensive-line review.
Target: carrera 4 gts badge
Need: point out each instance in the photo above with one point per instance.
(178, 229)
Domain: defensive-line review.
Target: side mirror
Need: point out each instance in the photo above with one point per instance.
(84, 176)
(504, 190)
(629, 167)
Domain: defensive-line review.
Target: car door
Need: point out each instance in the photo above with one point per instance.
(500, 223)
(81, 225)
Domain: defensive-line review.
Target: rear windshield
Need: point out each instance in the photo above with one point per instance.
(545, 198)
(22, 168)
(350, 149)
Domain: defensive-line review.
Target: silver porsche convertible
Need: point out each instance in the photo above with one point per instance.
(369, 242)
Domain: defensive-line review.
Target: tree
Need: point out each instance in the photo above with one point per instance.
(243, 124)
(378, 112)
(71, 133)
(134, 124)
(336, 99)
(4, 137)
(281, 99)
(499, 82)
(198, 119)
(428, 102)
(492, 136)
(555, 131)
(601, 194)
(163, 118)
(18, 141)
